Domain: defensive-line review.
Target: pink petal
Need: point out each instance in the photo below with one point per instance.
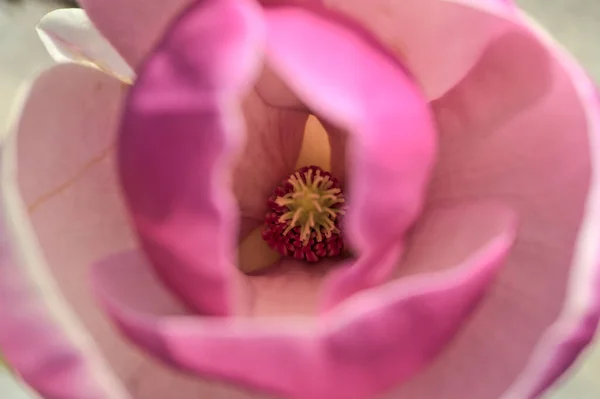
(133, 27)
(434, 38)
(182, 127)
(51, 329)
(43, 352)
(561, 345)
(522, 127)
(343, 78)
(272, 146)
(369, 344)
(67, 124)
(275, 92)
(290, 288)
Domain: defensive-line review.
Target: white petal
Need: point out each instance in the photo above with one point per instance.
(69, 36)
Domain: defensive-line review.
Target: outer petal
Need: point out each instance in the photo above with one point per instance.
(51, 329)
(434, 39)
(578, 321)
(133, 26)
(39, 335)
(69, 36)
(421, 32)
(369, 344)
(523, 127)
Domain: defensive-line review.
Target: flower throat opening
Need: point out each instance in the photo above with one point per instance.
(304, 215)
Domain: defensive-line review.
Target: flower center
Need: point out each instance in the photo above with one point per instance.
(304, 215)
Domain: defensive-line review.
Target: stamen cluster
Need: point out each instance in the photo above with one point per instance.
(304, 215)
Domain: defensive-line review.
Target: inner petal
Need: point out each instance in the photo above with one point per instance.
(287, 276)
(183, 126)
(282, 281)
(367, 93)
(272, 146)
(290, 287)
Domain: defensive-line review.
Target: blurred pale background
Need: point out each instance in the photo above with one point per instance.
(575, 23)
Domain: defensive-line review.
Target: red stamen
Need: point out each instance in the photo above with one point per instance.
(304, 215)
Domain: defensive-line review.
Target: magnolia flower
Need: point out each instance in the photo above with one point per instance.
(445, 146)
